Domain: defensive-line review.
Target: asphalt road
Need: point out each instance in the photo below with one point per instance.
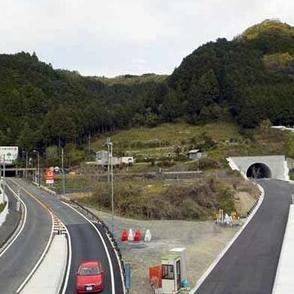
(18, 261)
(85, 241)
(250, 265)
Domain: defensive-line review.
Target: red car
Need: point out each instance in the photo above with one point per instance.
(90, 277)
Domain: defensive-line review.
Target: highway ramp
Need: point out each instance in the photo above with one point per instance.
(85, 241)
(250, 265)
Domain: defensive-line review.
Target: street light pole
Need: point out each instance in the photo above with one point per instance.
(63, 174)
(110, 179)
(26, 164)
(112, 200)
(38, 155)
(4, 168)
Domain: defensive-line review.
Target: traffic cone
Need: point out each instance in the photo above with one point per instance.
(124, 236)
(131, 235)
(148, 236)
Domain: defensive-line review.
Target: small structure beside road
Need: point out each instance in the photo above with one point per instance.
(194, 154)
(103, 157)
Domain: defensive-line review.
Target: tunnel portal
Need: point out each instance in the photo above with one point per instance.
(259, 171)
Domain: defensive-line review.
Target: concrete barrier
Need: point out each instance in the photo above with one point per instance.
(284, 282)
(50, 274)
(45, 188)
(5, 211)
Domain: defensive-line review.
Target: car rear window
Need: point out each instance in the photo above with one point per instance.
(89, 271)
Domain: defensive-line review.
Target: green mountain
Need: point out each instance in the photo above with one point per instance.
(249, 79)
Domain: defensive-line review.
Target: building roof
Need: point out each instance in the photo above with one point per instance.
(194, 151)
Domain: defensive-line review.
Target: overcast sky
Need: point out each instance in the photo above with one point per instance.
(114, 37)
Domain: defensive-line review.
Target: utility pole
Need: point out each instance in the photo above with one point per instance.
(63, 174)
(89, 142)
(108, 159)
(110, 179)
(4, 168)
(26, 165)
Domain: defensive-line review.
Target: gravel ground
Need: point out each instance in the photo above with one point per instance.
(204, 240)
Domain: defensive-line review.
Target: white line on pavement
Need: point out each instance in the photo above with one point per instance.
(104, 244)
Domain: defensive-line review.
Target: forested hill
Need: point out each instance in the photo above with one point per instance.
(249, 78)
(41, 106)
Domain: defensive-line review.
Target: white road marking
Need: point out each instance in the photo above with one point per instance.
(104, 244)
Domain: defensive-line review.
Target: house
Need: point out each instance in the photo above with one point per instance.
(102, 159)
(194, 154)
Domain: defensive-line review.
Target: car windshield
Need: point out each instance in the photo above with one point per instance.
(89, 271)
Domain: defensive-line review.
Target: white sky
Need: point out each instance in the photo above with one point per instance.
(114, 37)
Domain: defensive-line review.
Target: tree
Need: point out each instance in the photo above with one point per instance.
(290, 146)
(202, 93)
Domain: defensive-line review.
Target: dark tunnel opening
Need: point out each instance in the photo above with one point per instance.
(8, 171)
(259, 171)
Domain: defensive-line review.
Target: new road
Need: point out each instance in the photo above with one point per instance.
(250, 264)
(23, 252)
(88, 241)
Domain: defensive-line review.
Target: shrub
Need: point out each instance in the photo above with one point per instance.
(208, 163)
(190, 209)
(166, 163)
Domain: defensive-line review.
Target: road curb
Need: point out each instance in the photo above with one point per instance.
(224, 251)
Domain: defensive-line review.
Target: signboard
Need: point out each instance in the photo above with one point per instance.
(128, 275)
(8, 154)
(49, 176)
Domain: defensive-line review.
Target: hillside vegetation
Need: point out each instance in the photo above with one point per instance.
(216, 140)
(247, 80)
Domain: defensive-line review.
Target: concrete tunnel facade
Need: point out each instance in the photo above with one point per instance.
(274, 166)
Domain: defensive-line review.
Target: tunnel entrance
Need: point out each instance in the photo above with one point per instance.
(10, 171)
(259, 171)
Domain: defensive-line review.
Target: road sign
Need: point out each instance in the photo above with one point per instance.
(128, 275)
(8, 154)
(49, 176)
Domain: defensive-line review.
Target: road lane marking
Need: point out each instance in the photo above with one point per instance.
(221, 255)
(48, 243)
(69, 262)
(104, 245)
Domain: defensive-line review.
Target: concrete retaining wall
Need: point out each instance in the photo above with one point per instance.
(5, 211)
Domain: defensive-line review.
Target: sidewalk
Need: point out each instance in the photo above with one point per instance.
(49, 276)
